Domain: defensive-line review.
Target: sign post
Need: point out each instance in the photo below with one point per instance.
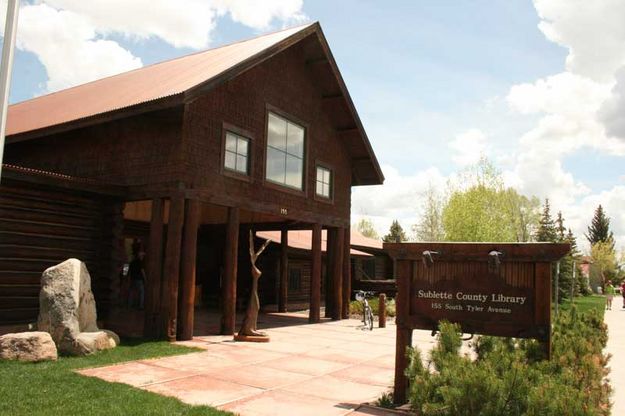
(499, 289)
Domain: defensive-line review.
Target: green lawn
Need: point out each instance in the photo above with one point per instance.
(586, 303)
(52, 388)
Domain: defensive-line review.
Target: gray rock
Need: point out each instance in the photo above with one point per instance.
(67, 310)
(28, 346)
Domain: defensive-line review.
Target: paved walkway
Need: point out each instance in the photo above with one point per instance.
(320, 369)
(615, 319)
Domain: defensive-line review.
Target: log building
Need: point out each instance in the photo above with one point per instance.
(188, 155)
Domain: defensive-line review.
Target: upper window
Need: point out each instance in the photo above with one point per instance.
(236, 153)
(324, 182)
(285, 152)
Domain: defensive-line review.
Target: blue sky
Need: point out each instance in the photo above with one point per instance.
(437, 83)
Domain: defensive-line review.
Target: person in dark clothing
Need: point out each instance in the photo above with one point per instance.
(137, 278)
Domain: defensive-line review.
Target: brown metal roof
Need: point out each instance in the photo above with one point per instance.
(135, 87)
(302, 239)
(171, 83)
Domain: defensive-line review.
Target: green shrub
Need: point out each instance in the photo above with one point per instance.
(508, 377)
(355, 307)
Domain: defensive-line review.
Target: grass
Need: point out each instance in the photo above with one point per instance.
(53, 388)
(587, 303)
(355, 307)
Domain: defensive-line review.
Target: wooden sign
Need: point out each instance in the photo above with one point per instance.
(500, 289)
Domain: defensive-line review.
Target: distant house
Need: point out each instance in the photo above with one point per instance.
(183, 159)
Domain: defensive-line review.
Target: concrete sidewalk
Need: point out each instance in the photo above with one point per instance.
(328, 368)
(615, 319)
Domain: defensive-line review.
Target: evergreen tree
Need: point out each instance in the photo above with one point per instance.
(599, 229)
(547, 231)
(560, 228)
(565, 280)
(581, 285)
(395, 234)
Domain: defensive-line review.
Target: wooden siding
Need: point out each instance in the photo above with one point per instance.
(40, 228)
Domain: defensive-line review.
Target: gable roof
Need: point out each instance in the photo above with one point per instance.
(174, 82)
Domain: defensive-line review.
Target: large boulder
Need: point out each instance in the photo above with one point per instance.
(27, 346)
(67, 309)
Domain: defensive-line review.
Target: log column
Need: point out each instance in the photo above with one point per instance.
(337, 274)
(187, 270)
(151, 328)
(315, 275)
(171, 269)
(229, 283)
(328, 288)
(347, 274)
(284, 269)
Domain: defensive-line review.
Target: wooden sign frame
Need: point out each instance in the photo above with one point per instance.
(499, 289)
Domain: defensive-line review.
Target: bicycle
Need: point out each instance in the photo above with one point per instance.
(367, 313)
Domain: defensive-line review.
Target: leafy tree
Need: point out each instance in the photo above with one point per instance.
(365, 227)
(599, 229)
(481, 209)
(395, 234)
(604, 259)
(430, 226)
(547, 231)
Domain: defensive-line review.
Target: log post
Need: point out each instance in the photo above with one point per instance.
(229, 283)
(329, 298)
(171, 269)
(337, 274)
(315, 276)
(403, 338)
(347, 274)
(187, 270)
(154, 269)
(284, 269)
(382, 310)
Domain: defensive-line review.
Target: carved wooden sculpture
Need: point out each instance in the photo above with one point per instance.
(248, 328)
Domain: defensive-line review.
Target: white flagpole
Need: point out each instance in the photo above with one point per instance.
(8, 48)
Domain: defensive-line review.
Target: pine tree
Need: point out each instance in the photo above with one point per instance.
(395, 234)
(547, 231)
(565, 280)
(560, 227)
(581, 285)
(599, 229)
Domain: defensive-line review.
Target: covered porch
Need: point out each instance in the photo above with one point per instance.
(197, 265)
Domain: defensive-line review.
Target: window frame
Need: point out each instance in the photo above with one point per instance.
(294, 120)
(329, 199)
(230, 128)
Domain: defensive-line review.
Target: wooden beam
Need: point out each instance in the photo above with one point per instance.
(284, 269)
(187, 270)
(329, 299)
(229, 284)
(315, 61)
(315, 276)
(171, 270)
(337, 273)
(151, 327)
(347, 275)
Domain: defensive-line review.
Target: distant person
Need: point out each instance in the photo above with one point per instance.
(610, 291)
(137, 279)
(623, 293)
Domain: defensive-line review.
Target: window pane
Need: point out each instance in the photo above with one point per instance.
(294, 171)
(319, 188)
(326, 176)
(275, 165)
(242, 163)
(319, 174)
(326, 190)
(230, 160)
(295, 140)
(276, 132)
(242, 145)
(231, 142)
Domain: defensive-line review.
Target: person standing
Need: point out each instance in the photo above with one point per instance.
(610, 291)
(137, 278)
(623, 293)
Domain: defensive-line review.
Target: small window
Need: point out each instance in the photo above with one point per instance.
(324, 182)
(236, 153)
(285, 152)
(295, 280)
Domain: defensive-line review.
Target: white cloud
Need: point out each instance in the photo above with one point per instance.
(592, 31)
(71, 37)
(468, 147)
(66, 44)
(612, 113)
(399, 198)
